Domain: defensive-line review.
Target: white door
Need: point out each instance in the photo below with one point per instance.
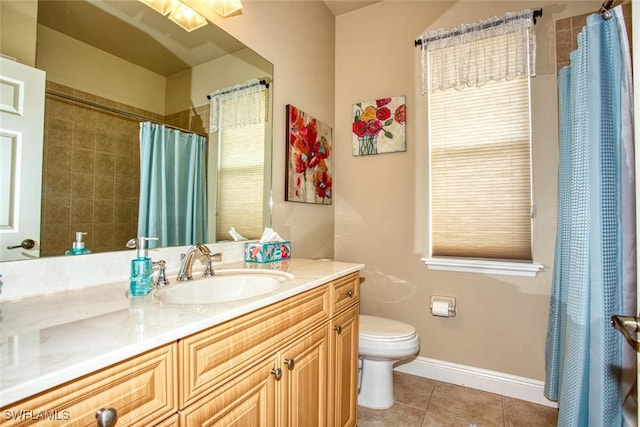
(21, 137)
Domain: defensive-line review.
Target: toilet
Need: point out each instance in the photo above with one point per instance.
(382, 343)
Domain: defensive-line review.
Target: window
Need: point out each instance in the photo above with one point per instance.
(481, 171)
(477, 79)
(240, 164)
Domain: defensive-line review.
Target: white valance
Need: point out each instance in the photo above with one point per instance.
(471, 55)
(248, 108)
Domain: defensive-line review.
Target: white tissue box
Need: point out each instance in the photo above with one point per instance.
(267, 252)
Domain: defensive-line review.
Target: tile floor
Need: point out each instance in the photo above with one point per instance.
(420, 402)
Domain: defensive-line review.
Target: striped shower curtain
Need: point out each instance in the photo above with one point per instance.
(594, 267)
(173, 192)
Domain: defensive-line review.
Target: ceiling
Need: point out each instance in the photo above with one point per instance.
(340, 7)
(135, 32)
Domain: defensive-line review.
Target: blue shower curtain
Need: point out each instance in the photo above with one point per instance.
(595, 237)
(173, 196)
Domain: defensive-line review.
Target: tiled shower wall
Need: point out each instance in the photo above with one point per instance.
(567, 30)
(91, 171)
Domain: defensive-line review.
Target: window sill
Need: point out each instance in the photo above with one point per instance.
(507, 268)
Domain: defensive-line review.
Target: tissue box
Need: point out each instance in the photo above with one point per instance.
(267, 252)
(284, 265)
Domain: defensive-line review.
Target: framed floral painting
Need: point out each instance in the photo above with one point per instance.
(379, 126)
(309, 161)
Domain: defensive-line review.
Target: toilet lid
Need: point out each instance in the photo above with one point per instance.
(382, 329)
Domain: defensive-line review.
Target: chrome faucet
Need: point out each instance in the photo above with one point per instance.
(198, 250)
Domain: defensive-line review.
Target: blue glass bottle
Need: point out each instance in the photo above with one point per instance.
(78, 246)
(141, 276)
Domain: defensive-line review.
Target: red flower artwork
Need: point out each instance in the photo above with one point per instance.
(308, 158)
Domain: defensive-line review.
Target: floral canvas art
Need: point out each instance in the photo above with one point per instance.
(379, 126)
(309, 162)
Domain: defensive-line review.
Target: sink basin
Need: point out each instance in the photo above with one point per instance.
(225, 286)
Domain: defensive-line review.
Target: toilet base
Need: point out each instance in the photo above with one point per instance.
(376, 387)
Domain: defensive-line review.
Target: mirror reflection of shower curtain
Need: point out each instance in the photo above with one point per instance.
(173, 195)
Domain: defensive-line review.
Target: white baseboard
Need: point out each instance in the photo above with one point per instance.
(479, 379)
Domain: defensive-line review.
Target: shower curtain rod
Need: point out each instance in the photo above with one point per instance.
(605, 9)
(233, 89)
(536, 14)
(116, 111)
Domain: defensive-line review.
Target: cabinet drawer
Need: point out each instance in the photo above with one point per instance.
(210, 358)
(141, 389)
(344, 292)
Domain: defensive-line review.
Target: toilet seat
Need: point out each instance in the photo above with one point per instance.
(379, 329)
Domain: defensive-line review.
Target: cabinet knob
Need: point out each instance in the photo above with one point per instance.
(338, 329)
(290, 363)
(106, 417)
(277, 373)
(349, 293)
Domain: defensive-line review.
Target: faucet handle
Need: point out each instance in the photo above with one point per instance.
(208, 268)
(161, 279)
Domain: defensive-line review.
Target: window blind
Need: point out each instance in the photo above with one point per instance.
(480, 160)
(241, 175)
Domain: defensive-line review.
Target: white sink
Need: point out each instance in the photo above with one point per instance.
(226, 285)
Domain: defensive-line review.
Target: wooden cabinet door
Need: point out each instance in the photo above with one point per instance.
(304, 365)
(141, 390)
(343, 392)
(249, 400)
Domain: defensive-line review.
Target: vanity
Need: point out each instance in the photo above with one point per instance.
(287, 357)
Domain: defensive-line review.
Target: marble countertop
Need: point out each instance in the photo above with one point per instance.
(50, 339)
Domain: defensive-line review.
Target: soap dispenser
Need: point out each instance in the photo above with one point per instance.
(141, 280)
(78, 246)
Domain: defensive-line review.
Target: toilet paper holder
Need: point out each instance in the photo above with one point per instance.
(437, 302)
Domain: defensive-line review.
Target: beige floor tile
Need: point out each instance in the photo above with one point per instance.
(412, 390)
(422, 402)
(399, 415)
(452, 405)
(518, 413)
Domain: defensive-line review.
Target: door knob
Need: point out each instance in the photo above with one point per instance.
(630, 327)
(106, 417)
(290, 363)
(25, 244)
(277, 373)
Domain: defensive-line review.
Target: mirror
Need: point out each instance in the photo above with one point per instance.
(90, 50)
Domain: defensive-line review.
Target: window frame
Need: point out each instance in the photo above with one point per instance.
(526, 268)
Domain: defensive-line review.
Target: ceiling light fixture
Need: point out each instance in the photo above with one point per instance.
(223, 8)
(163, 7)
(187, 17)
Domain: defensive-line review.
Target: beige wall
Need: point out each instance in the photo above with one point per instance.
(189, 88)
(298, 39)
(18, 23)
(78, 65)
(381, 200)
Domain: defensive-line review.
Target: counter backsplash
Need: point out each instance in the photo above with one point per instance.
(28, 278)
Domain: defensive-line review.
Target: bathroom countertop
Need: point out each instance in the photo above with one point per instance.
(51, 339)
